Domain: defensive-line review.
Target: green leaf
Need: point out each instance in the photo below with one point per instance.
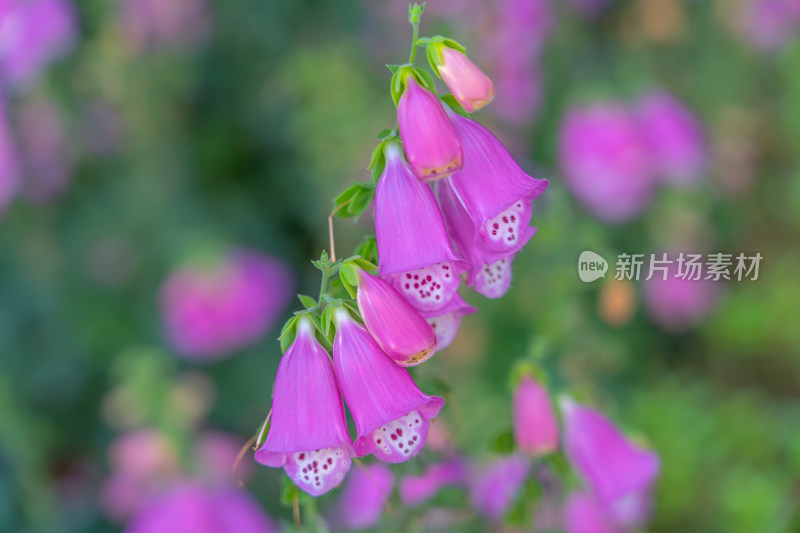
(368, 250)
(349, 274)
(360, 203)
(393, 68)
(288, 333)
(503, 443)
(307, 301)
(386, 134)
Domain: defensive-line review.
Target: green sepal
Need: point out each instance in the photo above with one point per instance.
(387, 133)
(377, 161)
(399, 80)
(323, 262)
(393, 68)
(366, 265)
(288, 333)
(354, 311)
(434, 51)
(307, 301)
(415, 12)
(348, 273)
(451, 101)
(525, 367)
(503, 443)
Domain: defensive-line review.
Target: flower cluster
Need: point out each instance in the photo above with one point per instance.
(450, 204)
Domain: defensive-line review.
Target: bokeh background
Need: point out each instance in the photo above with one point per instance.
(155, 151)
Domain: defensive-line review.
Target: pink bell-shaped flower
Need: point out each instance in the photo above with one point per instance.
(416, 256)
(494, 488)
(584, 514)
(493, 189)
(398, 328)
(491, 271)
(614, 468)
(308, 433)
(364, 498)
(415, 490)
(470, 86)
(535, 422)
(446, 321)
(430, 142)
(391, 414)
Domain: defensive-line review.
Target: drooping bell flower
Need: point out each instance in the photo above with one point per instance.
(415, 490)
(308, 433)
(535, 422)
(494, 488)
(611, 466)
(397, 327)
(34, 32)
(470, 86)
(491, 271)
(416, 256)
(584, 514)
(431, 144)
(364, 497)
(605, 161)
(494, 190)
(391, 414)
(674, 137)
(446, 321)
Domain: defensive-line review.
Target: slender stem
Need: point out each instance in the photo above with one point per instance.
(413, 55)
(296, 509)
(323, 286)
(330, 230)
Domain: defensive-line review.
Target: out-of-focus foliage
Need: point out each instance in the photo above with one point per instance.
(241, 135)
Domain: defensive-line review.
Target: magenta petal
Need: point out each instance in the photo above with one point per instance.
(607, 461)
(446, 321)
(409, 228)
(430, 142)
(490, 183)
(395, 324)
(307, 410)
(470, 86)
(535, 422)
(377, 391)
(583, 514)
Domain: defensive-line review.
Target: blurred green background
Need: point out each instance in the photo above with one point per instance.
(242, 136)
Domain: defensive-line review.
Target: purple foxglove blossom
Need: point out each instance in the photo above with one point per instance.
(494, 191)
(415, 490)
(209, 311)
(308, 433)
(364, 497)
(155, 23)
(470, 86)
(431, 144)
(535, 422)
(398, 328)
(491, 271)
(192, 507)
(446, 321)
(391, 414)
(494, 489)
(416, 256)
(768, 24)
(612, 466)
(9, 166)
(605, 161)
(674, 137)
(677, 305)
(32, 33)
(584, 514)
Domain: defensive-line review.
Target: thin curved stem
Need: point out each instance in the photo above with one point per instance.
(413, 55)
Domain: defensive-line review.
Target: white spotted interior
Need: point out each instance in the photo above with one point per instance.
(502, 232)
(429, 288)
(318, 471)
(401, 439)
(446, 328)
(493, 280)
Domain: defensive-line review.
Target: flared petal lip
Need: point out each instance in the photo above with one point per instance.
(455, 305)
(433, 174)
(490, 258)
(429, 407)
(278, 458)
(459, 264)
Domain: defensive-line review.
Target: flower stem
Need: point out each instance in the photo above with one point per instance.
(413, 55)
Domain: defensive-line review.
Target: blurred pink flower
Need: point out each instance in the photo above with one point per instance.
(32, 33)
(535, 421)
(364, 497)
(210, 311)
(159, 23)
(193, 508)
(674, 137)
(9, 166)
(605, 162)
(584, 514)
(415, 490)
(769, 24)
(677, 304)
(494, 488)
(48, 157)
